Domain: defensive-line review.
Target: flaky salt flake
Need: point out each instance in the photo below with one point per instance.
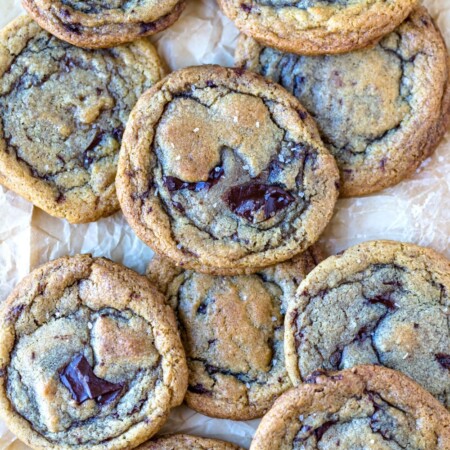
(246, 168)
(301, 417)
(406, 355)
(179, 246)
(257, 124)
(235, 119)
(247, 385)
(196, 130)
(89, 325)
(178, 158)
(274, 319)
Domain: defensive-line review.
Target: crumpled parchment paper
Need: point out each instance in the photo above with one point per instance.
(417, 210)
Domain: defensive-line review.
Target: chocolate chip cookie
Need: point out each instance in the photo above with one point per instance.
(99, 24)
(90, 357)
(367, 407)
(63, 110)
(221, 169)
(317, 27)
(381, 111)
(379, 302)
(186, 442)
(232, 330)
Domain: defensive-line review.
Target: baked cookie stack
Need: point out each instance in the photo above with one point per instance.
(230, 175)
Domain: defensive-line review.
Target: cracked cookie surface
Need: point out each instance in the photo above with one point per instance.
(317, 27)
(223, 170)
(63, 112)
(89, 357)
(379, 302)
(100, 24)
(187, 442)
(380, 111)
(232, 329)
(367, 407)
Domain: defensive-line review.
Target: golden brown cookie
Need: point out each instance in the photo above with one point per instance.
(379, 302)
(367, 407)
(90, 357)
(317, 27)
(187, 442)
(381, 111)
(100, 24)
(222, 170)
(63, 110)
(232, 331)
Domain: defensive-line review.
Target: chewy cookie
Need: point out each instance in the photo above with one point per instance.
(98, 24)
(221, 169)
(381, 111)
(232, 330)
(367, 407)
(187, 442)
(89, 357)
(62, 114)
(379, 302)
(317, 27)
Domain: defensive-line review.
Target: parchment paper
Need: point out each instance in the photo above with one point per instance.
(417, 210)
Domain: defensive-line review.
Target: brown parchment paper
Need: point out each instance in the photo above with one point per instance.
(417, 210)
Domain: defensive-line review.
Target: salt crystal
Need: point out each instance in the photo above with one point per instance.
(196, 130)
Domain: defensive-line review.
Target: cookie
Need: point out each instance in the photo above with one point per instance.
(187, 442)
(317, 27)
(90, 357)
(99, 24)
(63, 110)
(379, 302)
(381, 111)
(221, 169)
(367, 407)
(232, 331)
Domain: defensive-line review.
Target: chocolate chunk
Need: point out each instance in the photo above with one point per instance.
(146, 27)
(319, 432)
(198, 389)
(335, 358)
(175, 184)
(83, 384)
(443, 360)
(246, 200)
(14, 313)
(384, 300)
(246, 8)
(178, 206)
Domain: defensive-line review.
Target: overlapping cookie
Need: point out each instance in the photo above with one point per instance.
(232, 331)
(63, 110)
(186, 442)
(90, 357)
(317, 27)
(379, 302)
(99, 24)
(367, 407)
(221, 169)
(381, 111)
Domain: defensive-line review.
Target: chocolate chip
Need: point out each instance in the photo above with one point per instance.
(198, 389)
(14, 313)
(83, 384)
(202, 308)
(302, 114)
(246, 8)
(443, 360)
(178, 206)
(312, 377)
(147, 27)
(175, 184)
(246, 200)
(72, 27)
(61, 198)
(335, 358)
(383, 162)
(384, 300)
(319, 432)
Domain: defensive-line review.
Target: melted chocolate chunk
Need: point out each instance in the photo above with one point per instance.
(443, 360)
(175, 184)
(83, 384)
(384, 300)
(198, 389)
(246, 200)
(319, 432)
